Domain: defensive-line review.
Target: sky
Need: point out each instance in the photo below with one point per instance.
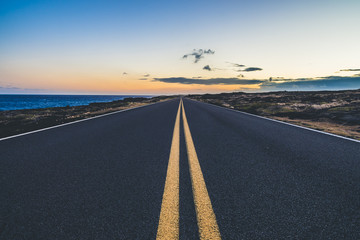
(178, 47)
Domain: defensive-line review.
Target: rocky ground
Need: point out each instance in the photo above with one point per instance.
(336, 112)
(20, 121)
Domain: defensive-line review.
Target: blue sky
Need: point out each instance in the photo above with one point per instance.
(137, 47)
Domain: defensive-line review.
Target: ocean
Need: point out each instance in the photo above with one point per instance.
(16, 102)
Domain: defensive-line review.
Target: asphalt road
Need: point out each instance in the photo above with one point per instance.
(104, 178)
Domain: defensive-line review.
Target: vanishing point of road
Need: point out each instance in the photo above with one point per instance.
(179, 169)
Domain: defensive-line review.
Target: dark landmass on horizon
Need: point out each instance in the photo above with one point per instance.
(335, 112)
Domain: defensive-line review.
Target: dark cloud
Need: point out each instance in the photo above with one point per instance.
(313, 84)
(210, 81)
(207, 67)
(274, 79)
(197, 77)
(146, 75)
(125, 73)
(351, 70)
(277, 83)
(209, 51)
(242, 68)
(143, 79)
(251, 69)
(199, 54)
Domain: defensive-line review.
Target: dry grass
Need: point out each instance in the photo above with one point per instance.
(336, 112)
(342, 130)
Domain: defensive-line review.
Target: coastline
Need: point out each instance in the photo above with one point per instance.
(40, 101)
(14, 122)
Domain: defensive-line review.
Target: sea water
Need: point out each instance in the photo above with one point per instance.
(16, 101)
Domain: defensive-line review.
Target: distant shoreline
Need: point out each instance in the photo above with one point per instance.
(10, 102)
(13, 122)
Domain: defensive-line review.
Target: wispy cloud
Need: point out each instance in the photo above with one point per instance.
(236, 64)
(146, 75)
(198, 54)
(125, 73)
(350, 70)
(8, 89)
(209, 81)
(207, 67)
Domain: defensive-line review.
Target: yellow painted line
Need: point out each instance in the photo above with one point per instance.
(169, 215)
(208, 228)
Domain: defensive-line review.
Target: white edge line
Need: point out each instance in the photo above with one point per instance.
(77, 121)
(278, 121)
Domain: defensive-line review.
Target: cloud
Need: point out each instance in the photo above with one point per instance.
(209, 81)
(276, 79)
(8, 89)
(241, 68)
(236, 64)
(145, 77)
(276, 83)
(313, 84)
(251, 69)
(221, 69)
(350, 70)
(125, 73)
(199, 54)
(207, 67)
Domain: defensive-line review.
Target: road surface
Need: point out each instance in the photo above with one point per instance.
(179, 170)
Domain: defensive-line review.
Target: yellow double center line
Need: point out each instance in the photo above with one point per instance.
(169, 216)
